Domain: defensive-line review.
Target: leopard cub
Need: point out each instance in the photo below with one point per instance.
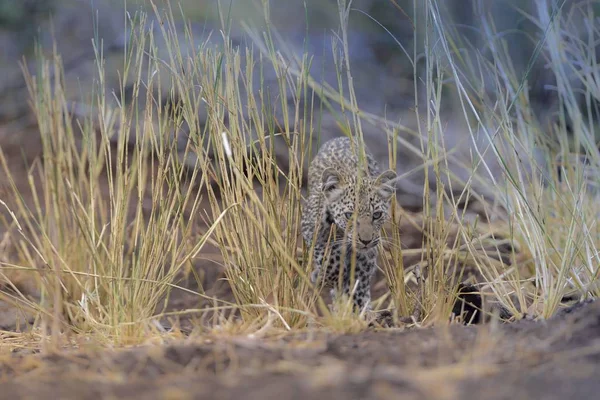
(343, 217)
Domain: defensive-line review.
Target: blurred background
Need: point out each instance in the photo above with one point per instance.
(384, 73)
(381, 38)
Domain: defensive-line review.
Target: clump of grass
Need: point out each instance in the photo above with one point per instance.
(552, 214)
(111, 226)
(258, 235)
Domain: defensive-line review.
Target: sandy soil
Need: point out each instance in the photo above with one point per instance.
(555, 359)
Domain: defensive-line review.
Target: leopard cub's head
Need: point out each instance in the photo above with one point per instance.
(359, 207)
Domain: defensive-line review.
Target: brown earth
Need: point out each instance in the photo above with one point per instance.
(555, 359)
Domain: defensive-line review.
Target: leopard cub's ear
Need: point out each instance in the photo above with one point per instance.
(386, 183)
(331, 184)
(330, 180)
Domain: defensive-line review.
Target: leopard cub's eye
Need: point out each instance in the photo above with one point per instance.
(348, 215)
(377, 214)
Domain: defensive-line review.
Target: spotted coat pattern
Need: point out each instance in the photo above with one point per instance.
(346, 208)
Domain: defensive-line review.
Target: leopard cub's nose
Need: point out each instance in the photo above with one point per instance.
(365, 242)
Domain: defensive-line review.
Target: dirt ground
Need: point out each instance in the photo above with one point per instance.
(554, 359)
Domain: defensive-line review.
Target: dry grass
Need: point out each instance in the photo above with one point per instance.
(106, 266)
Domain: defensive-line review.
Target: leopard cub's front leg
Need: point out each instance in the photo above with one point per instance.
(359, 288)
(317, 264)
(366, 265)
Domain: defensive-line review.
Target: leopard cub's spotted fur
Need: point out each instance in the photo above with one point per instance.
(344, 215)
